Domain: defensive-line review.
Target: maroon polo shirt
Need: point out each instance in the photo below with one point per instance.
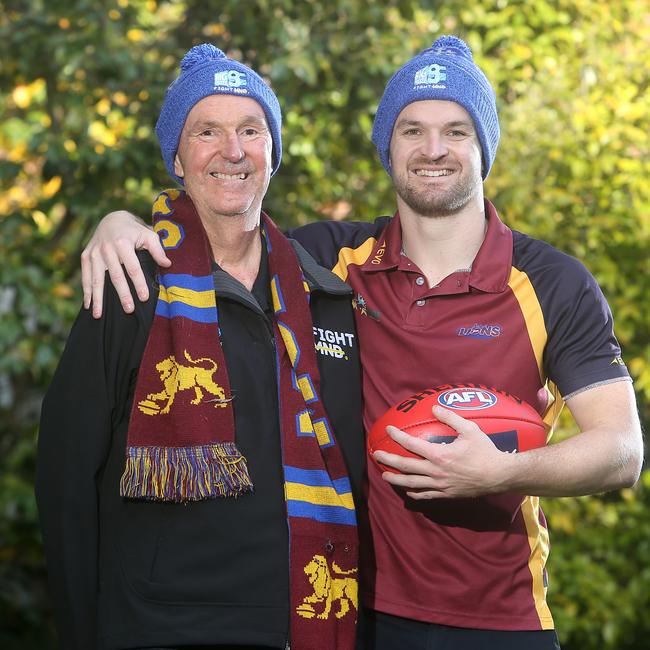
(525, 316)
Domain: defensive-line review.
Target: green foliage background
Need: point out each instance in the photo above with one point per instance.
(81, 82)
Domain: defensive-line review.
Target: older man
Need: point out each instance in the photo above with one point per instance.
(457, 557)
(191, 477)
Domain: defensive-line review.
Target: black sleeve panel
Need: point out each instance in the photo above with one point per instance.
(324, 239)
(581, 349)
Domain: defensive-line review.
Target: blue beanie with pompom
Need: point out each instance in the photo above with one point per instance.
(445, 71)
(206, 70)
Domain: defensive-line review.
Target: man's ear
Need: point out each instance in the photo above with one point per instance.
(178, 167)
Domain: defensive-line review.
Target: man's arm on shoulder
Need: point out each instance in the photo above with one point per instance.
(113, 247)
(606, 455)
(119, 234)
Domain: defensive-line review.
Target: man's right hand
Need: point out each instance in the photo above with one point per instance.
(113, 244)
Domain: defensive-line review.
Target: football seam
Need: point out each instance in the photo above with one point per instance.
(483, 416)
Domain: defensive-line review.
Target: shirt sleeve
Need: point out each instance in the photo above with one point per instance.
(73, 440)
(582, 350)
(87, 393)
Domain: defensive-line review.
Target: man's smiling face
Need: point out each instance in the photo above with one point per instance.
(435, 158)
(224, 156)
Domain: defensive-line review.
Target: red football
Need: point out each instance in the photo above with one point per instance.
(512, 424)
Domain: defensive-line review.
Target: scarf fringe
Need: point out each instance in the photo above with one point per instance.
(185, 473)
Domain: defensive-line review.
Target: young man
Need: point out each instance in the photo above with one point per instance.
(191, 478)
(458, 547)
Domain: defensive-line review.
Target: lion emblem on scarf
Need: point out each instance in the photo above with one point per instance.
(330, 587)
(177, 377)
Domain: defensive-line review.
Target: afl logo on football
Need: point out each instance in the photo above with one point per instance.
(467, 399)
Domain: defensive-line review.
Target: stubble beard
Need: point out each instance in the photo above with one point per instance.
(436, 203)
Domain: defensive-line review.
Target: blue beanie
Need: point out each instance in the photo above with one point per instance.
(444, 71)
(206, 70)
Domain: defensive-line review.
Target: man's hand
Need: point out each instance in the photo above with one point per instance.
(467, 467)
(606, 455)
(117, 237)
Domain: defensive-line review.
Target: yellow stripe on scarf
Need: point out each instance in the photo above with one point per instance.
(323, 496)
(187, 296)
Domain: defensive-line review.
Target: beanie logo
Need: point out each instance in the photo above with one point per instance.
(230, 79)
(431, 75)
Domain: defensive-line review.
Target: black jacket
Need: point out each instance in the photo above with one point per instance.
(127, 574)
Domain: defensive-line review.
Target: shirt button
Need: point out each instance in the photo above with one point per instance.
(420, 281)
(420, 303)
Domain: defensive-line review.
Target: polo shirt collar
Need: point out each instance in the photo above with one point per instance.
(493, 262)
(491, 267)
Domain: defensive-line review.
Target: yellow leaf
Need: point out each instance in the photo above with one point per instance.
(215, 29)
(42, 222)
(52, 187)
(62, 291)
(18, 152)
(103, 106)
(522, 51)
(135, 35)
(17, 194)
(627, 494)
(98, 131)
(22, 96)
(94, 130)
(120, 98)
(57, 212)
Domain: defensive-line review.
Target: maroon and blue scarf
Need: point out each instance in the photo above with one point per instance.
(182, 440)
